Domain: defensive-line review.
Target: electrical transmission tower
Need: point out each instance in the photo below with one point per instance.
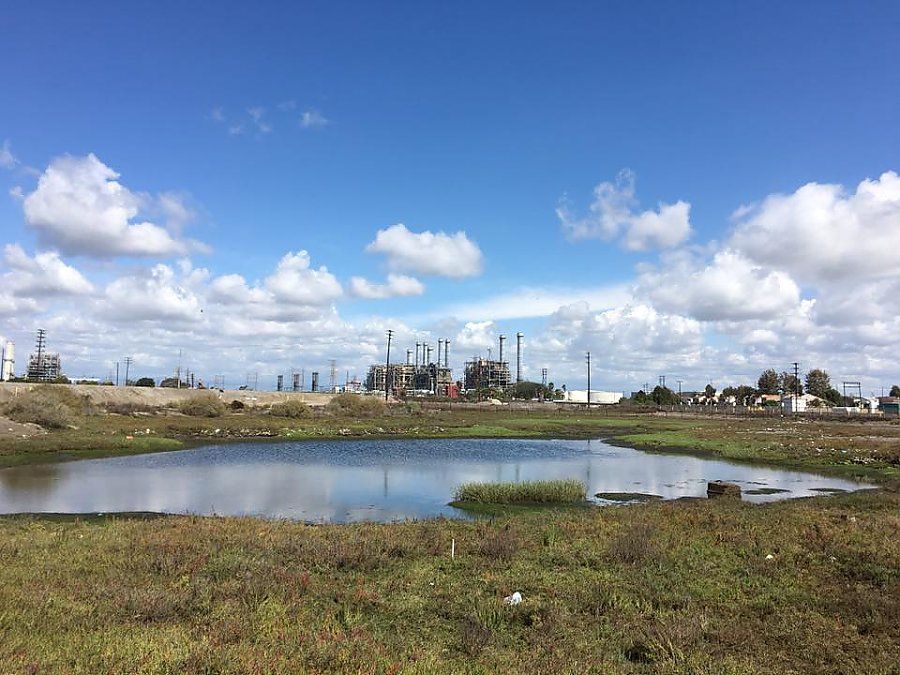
(128, 361)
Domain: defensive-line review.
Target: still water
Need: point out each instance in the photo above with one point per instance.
(384, 480)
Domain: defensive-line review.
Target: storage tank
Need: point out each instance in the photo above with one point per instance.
(7, 367)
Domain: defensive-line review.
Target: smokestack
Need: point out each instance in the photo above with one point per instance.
(295, 385)
(519, 337)
(447, 353)
(418, 344)
(315, 381)
(440, 350)
(502, 340)
(409, 357)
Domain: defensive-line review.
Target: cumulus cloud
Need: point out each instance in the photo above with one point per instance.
(428, 253)
(612, 214)
(295, 282)
(43, 275)
(477, 336)
(153, 295)
(398, 285)
(731, 287)
(822, 233)
(80, 208)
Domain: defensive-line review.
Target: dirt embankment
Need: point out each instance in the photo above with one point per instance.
(157, 397)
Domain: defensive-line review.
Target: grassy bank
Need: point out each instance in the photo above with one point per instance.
(524, 492)
(702, 587)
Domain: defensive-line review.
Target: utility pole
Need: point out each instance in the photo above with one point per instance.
(589, 379)
(679, 390)
(796, 405)
(128, 362)
(387, 365)
(117, 373)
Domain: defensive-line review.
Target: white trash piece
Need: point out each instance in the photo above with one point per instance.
(513, 599)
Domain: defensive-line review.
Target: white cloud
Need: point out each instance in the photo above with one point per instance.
(217, 114)
(80, 207)
(154, 295)
(429, 253)
(820, 233)
(295, 282)
(477, 336)
(7, 159)
(41, 276)
(398, 285)
(731, 287)
(612, 214)
(311, 119)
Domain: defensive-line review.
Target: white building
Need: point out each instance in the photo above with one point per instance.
(599, 397)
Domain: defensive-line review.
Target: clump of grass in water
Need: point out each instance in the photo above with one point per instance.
(569, 491)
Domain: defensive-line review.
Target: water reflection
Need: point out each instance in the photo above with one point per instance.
(342, 481)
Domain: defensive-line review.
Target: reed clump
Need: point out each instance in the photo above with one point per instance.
(566, 491)
(204, 405)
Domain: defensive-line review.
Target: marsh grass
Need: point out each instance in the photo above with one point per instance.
(567, 491)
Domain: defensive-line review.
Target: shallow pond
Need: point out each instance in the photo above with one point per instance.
(382, 480)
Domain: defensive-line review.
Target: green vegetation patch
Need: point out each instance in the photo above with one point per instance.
(568, 491)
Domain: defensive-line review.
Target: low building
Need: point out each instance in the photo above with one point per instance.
(889, 405)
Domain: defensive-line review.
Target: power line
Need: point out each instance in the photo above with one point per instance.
(128, 361)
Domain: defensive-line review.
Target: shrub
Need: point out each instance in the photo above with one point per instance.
(50, 406)
(145, 382)
(290, 408)
(204, 405)
(529, 492)
(356, 405)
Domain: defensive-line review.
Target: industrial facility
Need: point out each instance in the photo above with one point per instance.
(43, 367)
(487, 373)
(420, 375)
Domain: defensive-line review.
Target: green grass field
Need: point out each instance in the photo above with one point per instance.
(679, 587)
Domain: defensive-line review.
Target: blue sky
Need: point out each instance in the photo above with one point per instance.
(463, 117)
